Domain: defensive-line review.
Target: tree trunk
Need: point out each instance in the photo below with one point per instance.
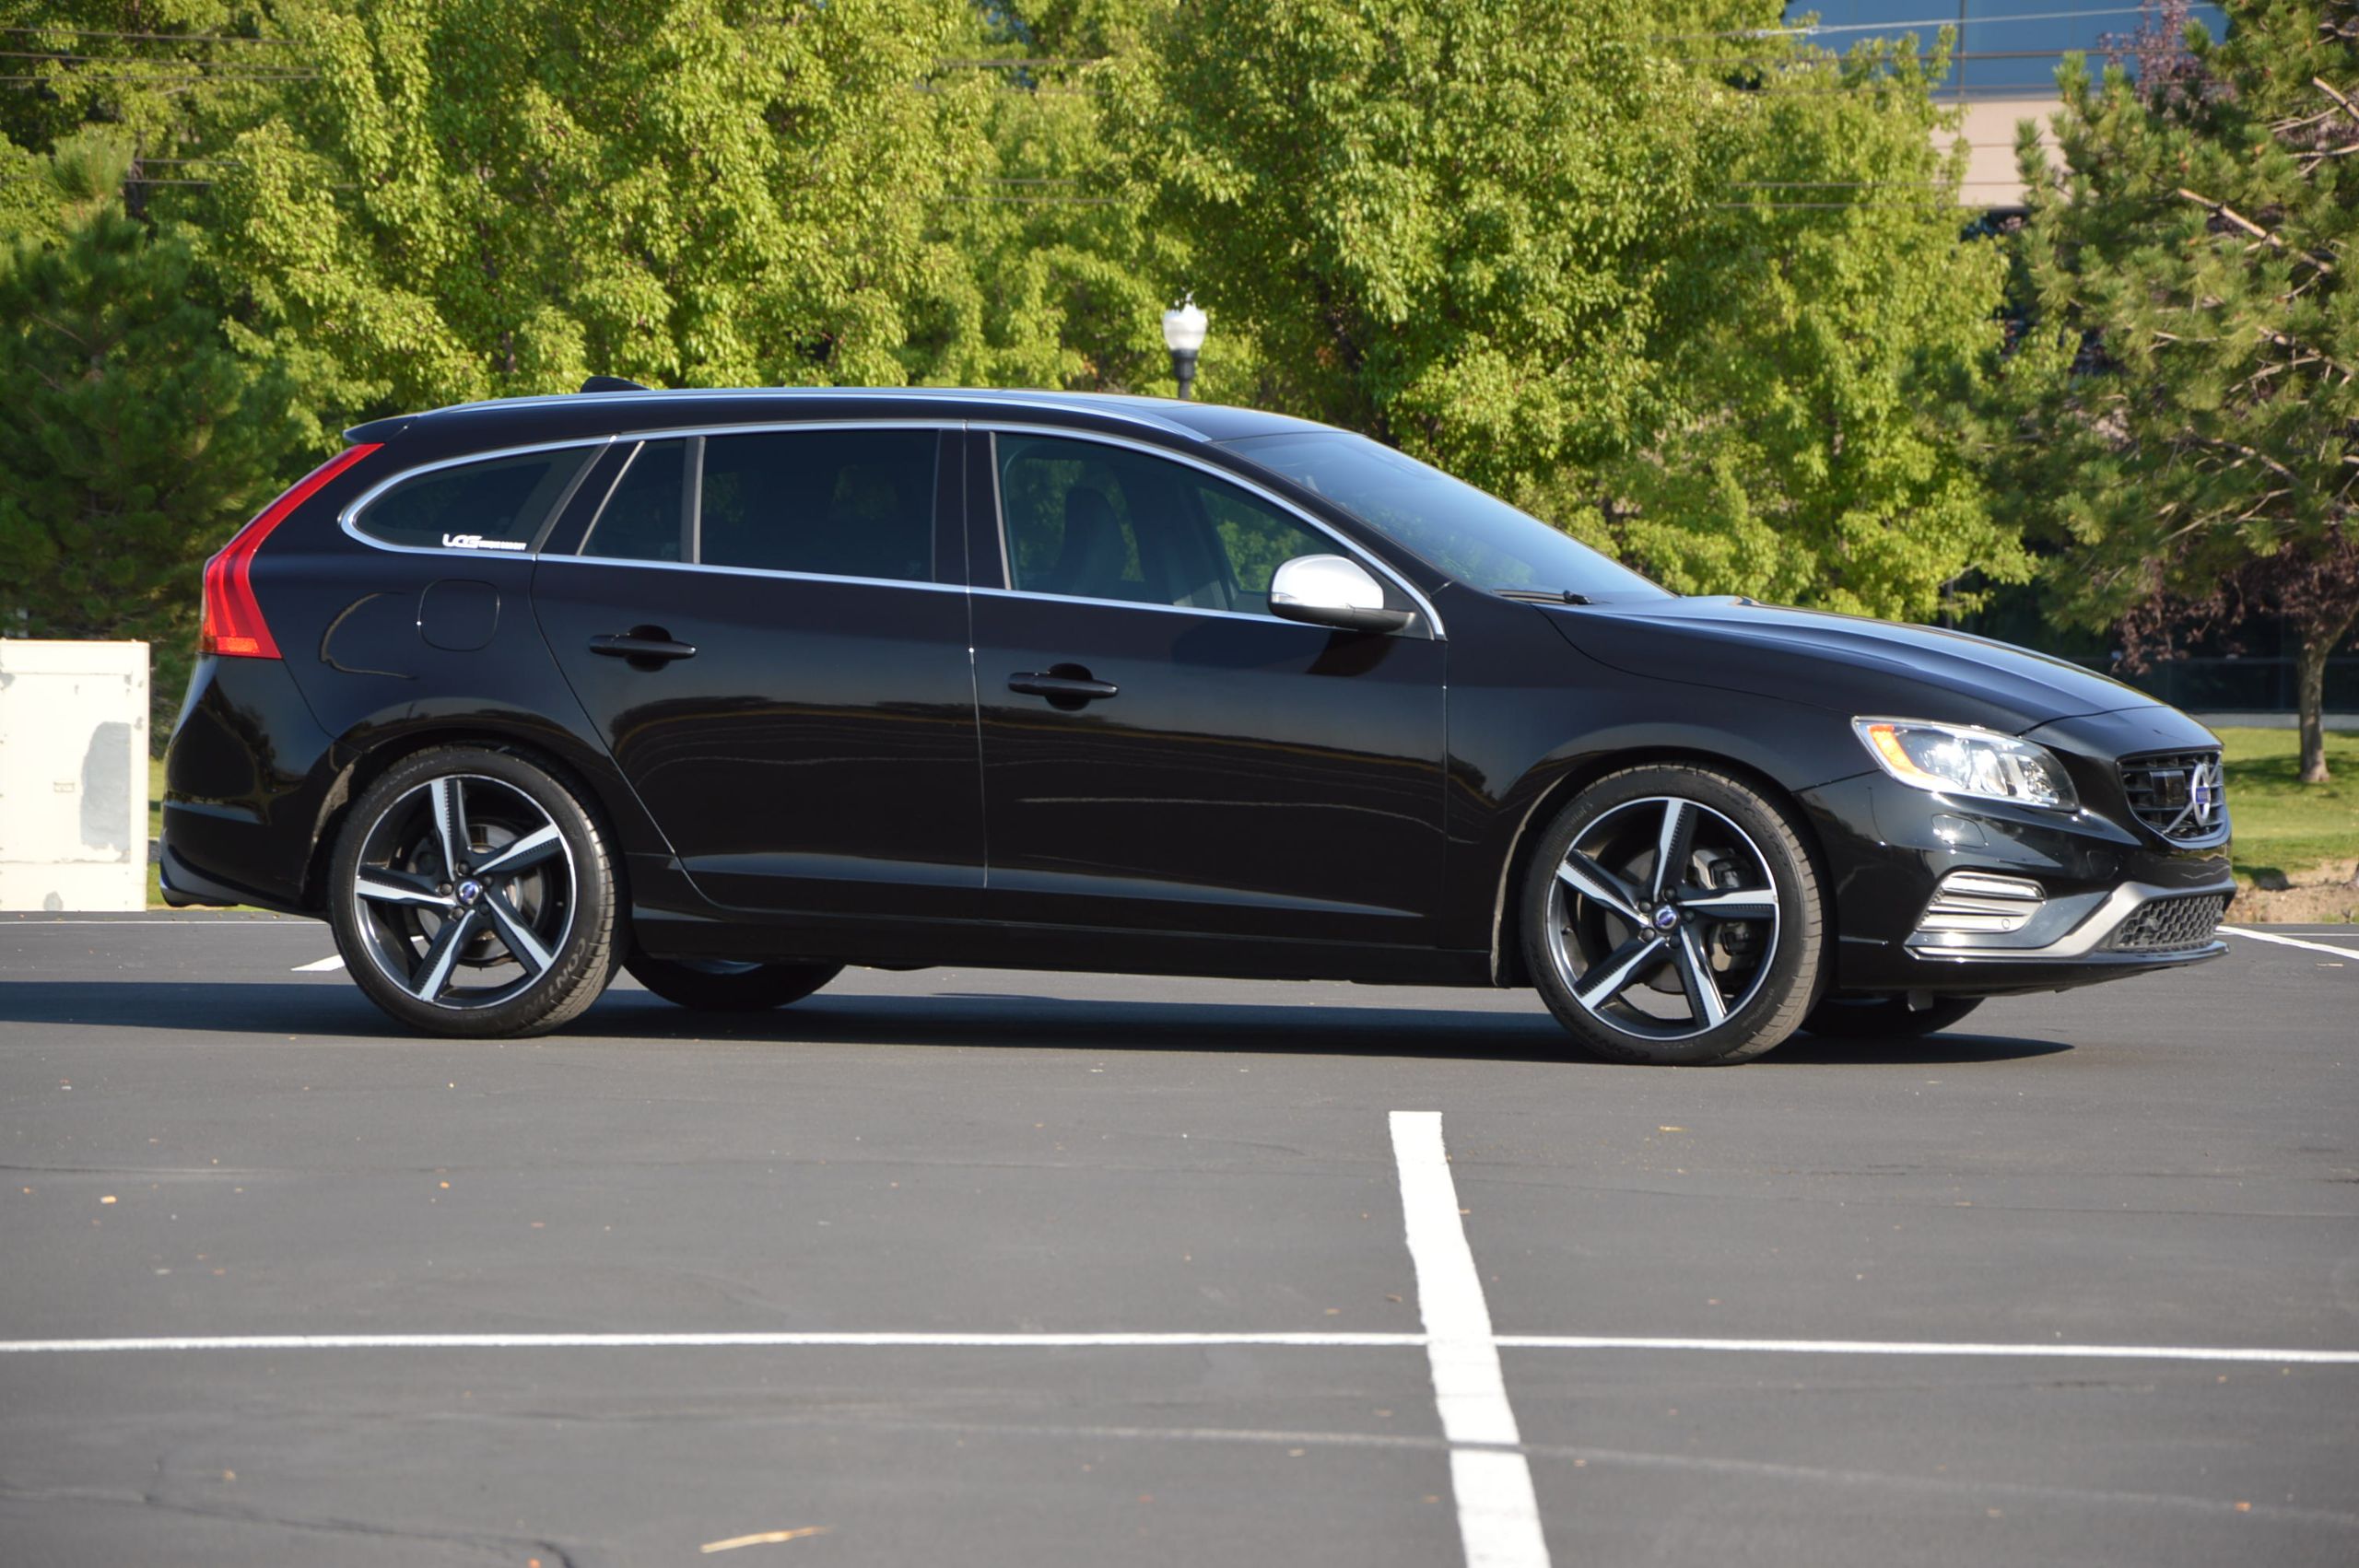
(2309, 706)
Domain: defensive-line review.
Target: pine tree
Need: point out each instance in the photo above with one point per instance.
(136, 440)
(2184, 406)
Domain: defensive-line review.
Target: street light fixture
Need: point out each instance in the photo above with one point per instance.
(1183, 334)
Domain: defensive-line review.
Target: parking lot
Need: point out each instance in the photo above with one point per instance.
(1021, 1268)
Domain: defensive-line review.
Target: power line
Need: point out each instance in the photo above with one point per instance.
(113, 79)
(166, 37)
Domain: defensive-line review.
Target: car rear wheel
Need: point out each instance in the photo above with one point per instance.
(1671, 915)
(720, 985)
(1884, 1017)
(471, 895)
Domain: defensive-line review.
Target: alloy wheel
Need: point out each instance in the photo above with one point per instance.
(1662, 918)
(465, 892)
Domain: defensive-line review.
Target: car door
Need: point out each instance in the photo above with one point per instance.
(1159, 752)
(768, 629)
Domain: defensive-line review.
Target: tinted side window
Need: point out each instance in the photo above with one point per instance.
(1255, 539)
(497, 505)
(840, 503)
(641, 518)
(1097, 521)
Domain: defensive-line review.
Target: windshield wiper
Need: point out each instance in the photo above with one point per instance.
(1543, 595)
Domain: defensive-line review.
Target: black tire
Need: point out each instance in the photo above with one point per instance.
(1633, 947)
(532, 898)
(710, 985)
(1884, 1017)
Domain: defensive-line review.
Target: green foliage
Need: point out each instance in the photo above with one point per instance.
(136, 442)
(1440, 223)
(158, 72)
(498, 197)
(1823, 340)
(2184, 421)
(1049, 272)
(1703, 301)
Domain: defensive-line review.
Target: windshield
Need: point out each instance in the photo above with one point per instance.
(1475, 537)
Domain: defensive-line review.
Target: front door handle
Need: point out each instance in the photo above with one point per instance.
(1065, 685)
(646, 647)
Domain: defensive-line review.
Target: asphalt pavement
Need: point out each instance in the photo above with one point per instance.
(1023, 1268)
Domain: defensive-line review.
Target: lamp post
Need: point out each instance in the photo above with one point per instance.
(1183, 334)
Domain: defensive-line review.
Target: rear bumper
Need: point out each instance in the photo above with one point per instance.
(1891, 846)
(247, 781)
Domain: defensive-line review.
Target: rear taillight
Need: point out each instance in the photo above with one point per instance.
(233, 623)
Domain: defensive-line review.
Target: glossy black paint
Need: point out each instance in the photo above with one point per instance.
(827, 771)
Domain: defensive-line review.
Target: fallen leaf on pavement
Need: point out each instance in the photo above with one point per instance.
(767, 1538)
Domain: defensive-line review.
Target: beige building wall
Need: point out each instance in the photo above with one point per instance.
(1990, 134)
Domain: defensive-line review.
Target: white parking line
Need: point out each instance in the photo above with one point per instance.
(2291, 941)
(857, 1340)
(2032, 1351)
(1499, 1516)
(752, 1339)
(320, 966)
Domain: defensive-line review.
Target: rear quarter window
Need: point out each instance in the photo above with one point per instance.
(496, 506)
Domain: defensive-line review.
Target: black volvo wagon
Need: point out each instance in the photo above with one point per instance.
(735, 688)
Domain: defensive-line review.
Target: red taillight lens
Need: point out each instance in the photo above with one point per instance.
(233, 623)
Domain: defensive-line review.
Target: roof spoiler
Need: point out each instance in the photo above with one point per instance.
(377, 432)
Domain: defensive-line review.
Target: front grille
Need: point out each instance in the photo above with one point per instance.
(2179, 794)
(2167, 925)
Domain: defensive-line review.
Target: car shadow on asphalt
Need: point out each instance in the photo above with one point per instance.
(312, 1010)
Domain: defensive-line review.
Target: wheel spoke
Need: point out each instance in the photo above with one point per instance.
(443, 955)
(383, 886)
(1672, 845)
(1735, 904)
(521, 945)
(1621, 969)
(450, 821)
(1586, 877)
(1694, 967)
(530, 850)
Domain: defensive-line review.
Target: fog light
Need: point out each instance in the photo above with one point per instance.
(1976, 901)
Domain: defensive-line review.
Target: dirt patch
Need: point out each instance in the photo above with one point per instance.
(2322, 895)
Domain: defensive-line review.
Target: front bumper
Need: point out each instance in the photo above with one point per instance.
(2107, 894)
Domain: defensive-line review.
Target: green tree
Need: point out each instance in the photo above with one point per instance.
(496, 196)
(1442, 223)
(1696, 294)
(2186, 421)
(136, 442)
(1822, 335)
(1053, 272)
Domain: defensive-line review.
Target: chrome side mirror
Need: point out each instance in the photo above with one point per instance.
(1332, 591)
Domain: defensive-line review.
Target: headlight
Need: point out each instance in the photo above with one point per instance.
(1958, 761)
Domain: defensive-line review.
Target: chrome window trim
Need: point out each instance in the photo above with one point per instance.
(993, 426)
(1040, 401)
(348, 519)
(625, 563)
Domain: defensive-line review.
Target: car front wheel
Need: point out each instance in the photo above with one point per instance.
(1671, 915)
(471, 895)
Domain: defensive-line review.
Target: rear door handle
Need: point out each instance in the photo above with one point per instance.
(1065, 685)
(646, 647)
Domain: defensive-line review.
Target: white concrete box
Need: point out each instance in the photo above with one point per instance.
(73, 775)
